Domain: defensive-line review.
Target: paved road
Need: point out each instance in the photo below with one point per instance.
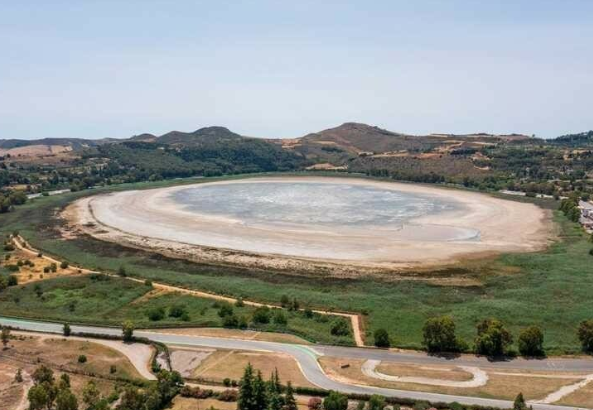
(307, 356)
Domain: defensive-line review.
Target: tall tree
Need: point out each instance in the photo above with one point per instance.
(5, 336)
(439, 335)
(246, 400)
(260, 397)
(289, 400)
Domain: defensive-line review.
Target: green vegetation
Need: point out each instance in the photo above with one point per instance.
(439, 335)
(531, 342)
(549, 289)
(493, 338)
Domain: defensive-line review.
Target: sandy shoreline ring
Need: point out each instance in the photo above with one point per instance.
(148, 219)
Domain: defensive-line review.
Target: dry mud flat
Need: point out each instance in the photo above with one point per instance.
(150, 219)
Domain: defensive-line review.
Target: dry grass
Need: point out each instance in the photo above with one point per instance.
(435, 372)
(581, 398)
(63, 353)
(498, 386)
(224, 363)
(29, 274)
(241, 334)
(11, 393)
(184, 403)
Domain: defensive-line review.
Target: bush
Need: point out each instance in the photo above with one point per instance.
(226, 382)
(46, 269)
(230, 321)
(112, 369)
(531, 342)
(228, 395)
(382, 338)
(64, 265)
(82, 359)
(585, 333)
(239, 303)
(308, 313)
(177, 311)
(122, 271)
(340, 328)
(280, 318)
(439, 335)
(493, 338)
(66, 330)
(261, 315)
(335, 401)
(156, 314)
(314, 403)
(225, 309)
(9, 247)
(13, 280)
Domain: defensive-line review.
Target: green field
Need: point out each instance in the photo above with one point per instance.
(551, 289)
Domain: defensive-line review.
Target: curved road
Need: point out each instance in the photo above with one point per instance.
(306, 356)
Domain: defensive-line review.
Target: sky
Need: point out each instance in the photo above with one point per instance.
(276, 69)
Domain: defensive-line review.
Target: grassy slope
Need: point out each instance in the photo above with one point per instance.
(551, 289)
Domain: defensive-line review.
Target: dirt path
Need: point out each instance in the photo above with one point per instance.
(480, 378)
(21, 244)
(140, 355)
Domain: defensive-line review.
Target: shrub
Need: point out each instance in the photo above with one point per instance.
(376, 402)
(439, 335)
(112, 369)
(382, 338)
(226, 382)
(280, 318)
(314, 403)
(13, 280)
(340, 328)
(66, 330)
(228, 395)
(284, 301)
(156, 314)
(177, 311)
(230, 321)
(585, 333)
(46, 269)
(261, 315)
(308, 313)
(239, 303)
(121, 271)
(9, 247)
(148, 283)
(531, 342)
(493, 338)
(335, 401)
(64, 265)
(13, 268)
(82, 359)
(225, 309)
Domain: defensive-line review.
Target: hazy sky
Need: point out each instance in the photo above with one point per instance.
(285, 68)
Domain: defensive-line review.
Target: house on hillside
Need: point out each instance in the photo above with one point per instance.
(586, 215)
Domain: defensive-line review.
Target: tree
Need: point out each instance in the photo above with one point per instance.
(439, 335)
(38, 290)
(260, 397)
(280, 318)
(493, 338)
(585, 333)
(128, 331)
(289, 400)
(246, 400)
(335, 401)
(531, 341)
(261, 315)
(284, 301)
(38, 398)
(12, 280)
(65, 400)
(66, 330)
(43, 374)
(376, 402)
(519, 403)
(5, 336)
(18, 377)
(340, 328)
(382, 338)
(91, 396)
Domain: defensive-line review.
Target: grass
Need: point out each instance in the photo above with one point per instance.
(111, 301)
(551, 289)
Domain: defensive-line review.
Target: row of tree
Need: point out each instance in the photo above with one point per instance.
(492, 338)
